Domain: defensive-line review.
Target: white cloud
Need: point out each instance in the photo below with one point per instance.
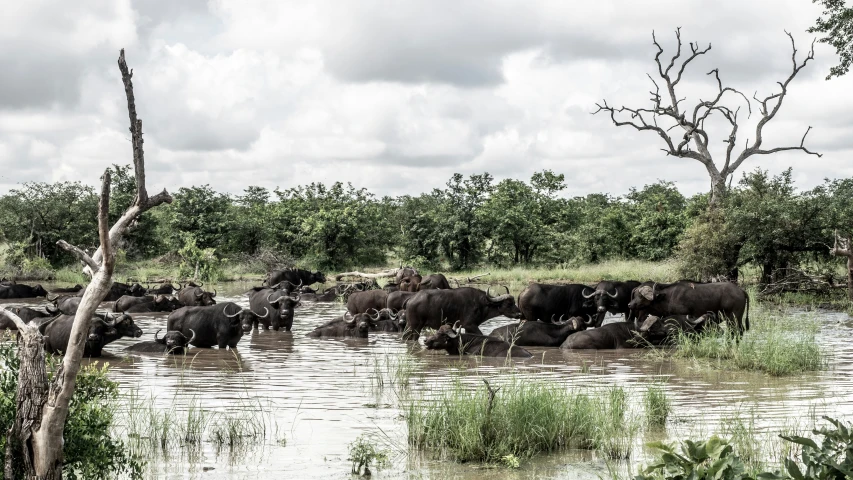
(394, 97)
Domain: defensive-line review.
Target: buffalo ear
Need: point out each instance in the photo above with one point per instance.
(660, 296)
(647, 293)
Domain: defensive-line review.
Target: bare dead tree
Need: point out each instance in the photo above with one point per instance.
(843, 247)
(667, 112)
(42, 406)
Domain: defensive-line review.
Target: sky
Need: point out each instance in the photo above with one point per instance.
(398, 96)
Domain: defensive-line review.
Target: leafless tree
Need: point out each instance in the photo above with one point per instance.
(42, 406)
(667, 112)
(843, 247)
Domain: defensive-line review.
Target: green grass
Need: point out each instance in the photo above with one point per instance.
(658, 405)
(778, 343)
(525, 418)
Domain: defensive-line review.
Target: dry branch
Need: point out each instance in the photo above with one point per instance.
(382, 274)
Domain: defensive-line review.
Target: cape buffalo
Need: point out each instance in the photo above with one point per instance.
(277, 306)
(349, 326)
(127, 301)
(410, 283)
(194, 296)
(397, 300)
(472, 306)
(74, 289)
(404, 272)
(539, 334)
(219, 325)
(361, 302)
(610, 336)
(457, 342)
(387, 321)
(295, 276)
(540, 301)
(673, 325)
(22, 291)
(104, 329)
(161, 303)
(434, 281)
(118, 290)
(26, 314)
(391, 288)
(164, 289)
(174, 342)
(329, 295)
(612, 297)
(694, 299)
(66, 304)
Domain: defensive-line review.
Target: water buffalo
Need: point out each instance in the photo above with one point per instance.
(610, 336)
(104, 329)
(74, 289)
(361, 302)
(118, 290)
(194, 296)
(612, 297)
(295, 276)
(540, 301)
(329, 295)
(277, 305)
(694, 299)
(26, 314)
(404, 272)
(434, 281)
(164, 289)
(161, 303)
(457, 342)
(174, 342)
(66, 304)
(219, 325)
(22, 291)
(391, 287)
(472, 306)
(540, 334)
(127, 301)
(410, 283)
(386, 321)
(673, 325)
(349, 326)
(397, 300)
(5, 282)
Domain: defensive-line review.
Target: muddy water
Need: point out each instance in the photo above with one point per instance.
(317, 395)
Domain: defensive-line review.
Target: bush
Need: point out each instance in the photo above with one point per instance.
(708, 248)
(363, 453)
(90, 451)
(199, 263)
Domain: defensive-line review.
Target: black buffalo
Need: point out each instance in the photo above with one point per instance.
(164, 289)
(404, 272)
(219, 325)
(694, 299)
(66, 304)
(539, 334)
(18, 290)
(540, 301)
(361, 302)
(74, 289)
(612, 297)
(610, 336)
(127, 301)
(349, 326)
(386, 320)
(195, 296)
(174, 342)
(329, 295)
(278, 307)
(457, 342)
(26, 314)
(434, 281)
(118, 290)
(104, 329)
(674, 325)
(471, 306)
(161, 303)
(295, 276)
(391, 287)
(410, 283)
(397, 300)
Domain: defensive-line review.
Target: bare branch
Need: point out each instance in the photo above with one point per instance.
(14, 318)
(135, 131)
(104, 223)
(80, 254)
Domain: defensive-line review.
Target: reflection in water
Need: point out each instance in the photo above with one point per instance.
(321, 394)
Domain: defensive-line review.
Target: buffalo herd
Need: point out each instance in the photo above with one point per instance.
(568, 316)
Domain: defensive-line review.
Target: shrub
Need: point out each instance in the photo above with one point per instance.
(712, 459)
(708, 248)
(90, 451)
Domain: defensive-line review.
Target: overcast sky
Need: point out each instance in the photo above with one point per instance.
(395, 96)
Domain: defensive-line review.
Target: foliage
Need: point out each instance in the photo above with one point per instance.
(836, 23)
(833, 458)
(709, 248)
(198, 263)
(713, 459)
(90, 451)
(657, 405)
(363, 453)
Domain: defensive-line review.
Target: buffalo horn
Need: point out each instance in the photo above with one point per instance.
(156, 335)
(559, 321)
(650, 320)
(266, 313)
(500, 298)
(231, 316)
(199, 295)
(588, 296)
(589, 322)
(297, 298)
(374, 318)
(214, 293)
(614, 295)
(507, 289)
(271, 301)
(192, 337)
(51, 299)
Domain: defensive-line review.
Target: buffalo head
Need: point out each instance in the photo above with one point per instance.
(643, 296)
(503, 304)
(175, 341)
(444, 337)
(39, 291)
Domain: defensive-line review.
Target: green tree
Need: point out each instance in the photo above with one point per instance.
(420, 236)
(250, 225)
(202, 213)
(464, 231)
(656, 220)
(836, 23)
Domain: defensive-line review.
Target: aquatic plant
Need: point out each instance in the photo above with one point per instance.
(519, 418)
(363, 453)
(657, 405)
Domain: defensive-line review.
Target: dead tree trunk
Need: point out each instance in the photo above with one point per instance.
(668, 112)
(42, 408)
(842, 248)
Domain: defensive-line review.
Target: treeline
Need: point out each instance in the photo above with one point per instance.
(473, 221)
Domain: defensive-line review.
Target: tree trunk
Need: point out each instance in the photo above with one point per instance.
(842, 248)
(850, 278)
(718, 191)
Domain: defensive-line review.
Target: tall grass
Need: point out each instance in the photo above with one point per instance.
(778, 344)
(519, 419)
(657, 403)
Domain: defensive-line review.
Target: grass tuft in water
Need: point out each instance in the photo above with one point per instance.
(658, 405)
(518, 420)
